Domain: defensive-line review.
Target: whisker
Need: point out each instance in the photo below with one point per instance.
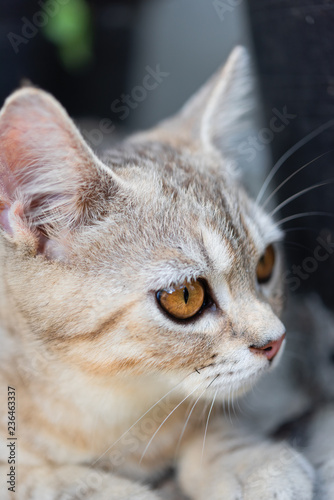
(207, 404)
(207, 423)
(240, 408)
(187, 420)
(234, 413)
(231, 401)
(298, 245)
(302, 214)
(224, 408)
(300, 193)
(138, 420)
(289, 153)
(302, 228)
(189, 407)
(212, 381)
(205, 407)
(234, 401)
(291, 176)
(165, 419)
(248, 405)
(228, 404)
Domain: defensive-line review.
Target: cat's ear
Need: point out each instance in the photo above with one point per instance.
(50, 180)
(221, 113)
(229, 112)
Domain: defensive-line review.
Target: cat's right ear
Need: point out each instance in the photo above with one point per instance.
(50, 180)
(221, 114)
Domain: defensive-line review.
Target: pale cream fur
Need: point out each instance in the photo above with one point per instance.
(86, 243)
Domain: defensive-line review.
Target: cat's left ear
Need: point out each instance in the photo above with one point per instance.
(51, 183)
(221, 114)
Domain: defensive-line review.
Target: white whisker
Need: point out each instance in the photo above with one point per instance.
(207, 403)
(303, 214)
(207, 423)
(241, 406)
(290, 177)
(289, 153)
(165, 419)
(233, 404)
(297, 195)
(301, 228)
(228, 404)
(298, 245)
(138, 420)
(187, 420)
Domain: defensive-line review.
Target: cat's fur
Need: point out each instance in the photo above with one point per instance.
(85, 245)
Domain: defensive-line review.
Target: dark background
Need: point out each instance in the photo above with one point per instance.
(89, 53)
(294, 48)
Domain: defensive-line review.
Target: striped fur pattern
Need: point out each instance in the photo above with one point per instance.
(85, 245)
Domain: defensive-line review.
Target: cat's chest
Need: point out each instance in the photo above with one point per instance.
(147, 450)
(142, 445)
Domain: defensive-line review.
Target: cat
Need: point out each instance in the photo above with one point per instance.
(138, 288)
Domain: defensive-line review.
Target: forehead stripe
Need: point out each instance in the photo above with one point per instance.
(218, 249)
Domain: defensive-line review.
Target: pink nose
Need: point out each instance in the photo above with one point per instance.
(269, 350)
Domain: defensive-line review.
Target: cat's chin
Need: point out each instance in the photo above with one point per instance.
(227, 385)
(220, 389)
(237, 390)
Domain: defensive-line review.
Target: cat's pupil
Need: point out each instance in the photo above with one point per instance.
(185, 295)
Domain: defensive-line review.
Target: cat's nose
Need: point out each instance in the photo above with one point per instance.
(269, 350)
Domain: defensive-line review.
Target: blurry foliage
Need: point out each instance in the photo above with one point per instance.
(71, 31)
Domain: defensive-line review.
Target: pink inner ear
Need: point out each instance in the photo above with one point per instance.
(11, 209)
(36, 137)
(24, 131)
(12, 221)
(46, 167)
(12, 144)
(8, 182)
(7, 188)
(15, 153)
(4, 219)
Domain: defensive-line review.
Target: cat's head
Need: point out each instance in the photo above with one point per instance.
(150, 260)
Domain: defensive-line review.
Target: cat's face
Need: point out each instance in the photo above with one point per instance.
(151, 261)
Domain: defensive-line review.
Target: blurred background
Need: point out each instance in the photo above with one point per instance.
(122, 65)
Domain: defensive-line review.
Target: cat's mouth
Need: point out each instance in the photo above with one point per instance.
(224, 382)
(238, 377)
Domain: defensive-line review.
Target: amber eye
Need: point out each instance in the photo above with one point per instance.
(182, 302)
(266, 265)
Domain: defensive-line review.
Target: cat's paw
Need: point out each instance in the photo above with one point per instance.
(72, 482)
(283, 475)
(265, 471)
(122, 489)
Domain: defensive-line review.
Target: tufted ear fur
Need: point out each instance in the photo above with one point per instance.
(50, 181)
(221, 113)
